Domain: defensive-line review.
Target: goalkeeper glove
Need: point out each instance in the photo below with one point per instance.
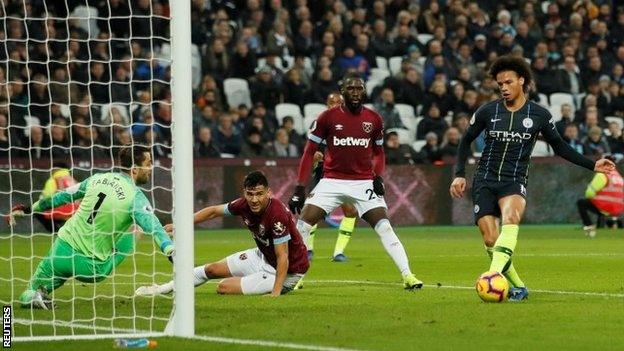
(296, 201)
(378, 186)
(17, 211)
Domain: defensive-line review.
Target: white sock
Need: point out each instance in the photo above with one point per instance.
(199, 275)
(304, 229)
(393, 246)
(199, 278)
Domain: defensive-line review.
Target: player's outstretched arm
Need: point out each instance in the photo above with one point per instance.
(60, 198)
(144, 217)
(565, 151)
(281, 253)
(205, 214)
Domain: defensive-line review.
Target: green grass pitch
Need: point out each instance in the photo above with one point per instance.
(576, 301)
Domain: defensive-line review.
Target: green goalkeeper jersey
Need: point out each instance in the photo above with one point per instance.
(111, 203)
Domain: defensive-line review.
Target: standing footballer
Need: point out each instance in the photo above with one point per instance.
(352, 168)
(511, 126)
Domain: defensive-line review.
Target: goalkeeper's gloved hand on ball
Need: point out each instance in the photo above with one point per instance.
(170, 256)
(17, 211)
(378, 186)
(296, 201)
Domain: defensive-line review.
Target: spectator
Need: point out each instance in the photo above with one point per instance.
(304, 40)
(204, 147)
(431, 151)
(278, 42)
(431, 123)
(350, 60)
(288, 124)
(264, 89)
(410, 89)
(450, 143)
(363, 48)
(567, 117)
(243, 61)
(385, 107)
(616, 143)
(282, 146)
(438, 95)
(4, 136)
(400, 154)
(324, 85)
(543, 76)
(567, 79)
(217, 60)
(265, 134)
(294, 90)
(595, 143)
(60, 141)
(226, 138)
(254, 147)
(591, 120)
(380, 42)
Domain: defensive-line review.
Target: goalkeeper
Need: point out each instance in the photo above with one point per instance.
(95, 239)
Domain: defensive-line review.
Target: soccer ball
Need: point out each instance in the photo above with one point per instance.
(492, 287)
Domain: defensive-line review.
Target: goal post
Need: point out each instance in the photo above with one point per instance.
(184, 316)
(78, 80)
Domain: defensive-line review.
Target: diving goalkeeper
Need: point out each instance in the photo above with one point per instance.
(96, 238)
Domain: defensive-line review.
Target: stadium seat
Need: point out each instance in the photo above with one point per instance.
(405, 136)
(237, 92)
(410, 123)
(615, 119)
(405, 110)
(448, 119)
(313, 110)
(418, 145)
(371, 84)
(379, 74)
(307, 122)
(395, 64)
(555, 111)
(287, 109)
(541, 149)
(196, 65)
(30, 121)
(382, 62)
(544, 6)
(562, 98)
(579, 100)
(543, 100)
(424, 38)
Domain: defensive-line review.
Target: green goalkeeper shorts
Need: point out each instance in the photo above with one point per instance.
(63, 262)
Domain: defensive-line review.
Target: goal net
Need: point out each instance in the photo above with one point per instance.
(78, 79)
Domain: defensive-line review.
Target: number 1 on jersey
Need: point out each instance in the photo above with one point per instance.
(101, 197)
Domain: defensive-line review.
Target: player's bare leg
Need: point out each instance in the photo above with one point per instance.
(489, 227)
(201, 275)
(344, 232)
(512, 209)
(378, 219)
(230, 286)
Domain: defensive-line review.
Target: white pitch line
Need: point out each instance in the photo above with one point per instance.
(130, 333)
(457, 287)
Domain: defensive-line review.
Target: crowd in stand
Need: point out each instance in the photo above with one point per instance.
(96, 84)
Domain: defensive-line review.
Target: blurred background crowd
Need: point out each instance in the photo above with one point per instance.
(80, 87)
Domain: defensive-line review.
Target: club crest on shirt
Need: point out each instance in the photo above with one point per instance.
(278, 228)
(367, 126)
(242, 256)
(527, 123)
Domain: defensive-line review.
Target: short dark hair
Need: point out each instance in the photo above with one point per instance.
(132, 155)
(513, 63)
(349, 76)
(254, 179)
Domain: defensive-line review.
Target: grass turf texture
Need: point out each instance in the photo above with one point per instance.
(372, 311)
